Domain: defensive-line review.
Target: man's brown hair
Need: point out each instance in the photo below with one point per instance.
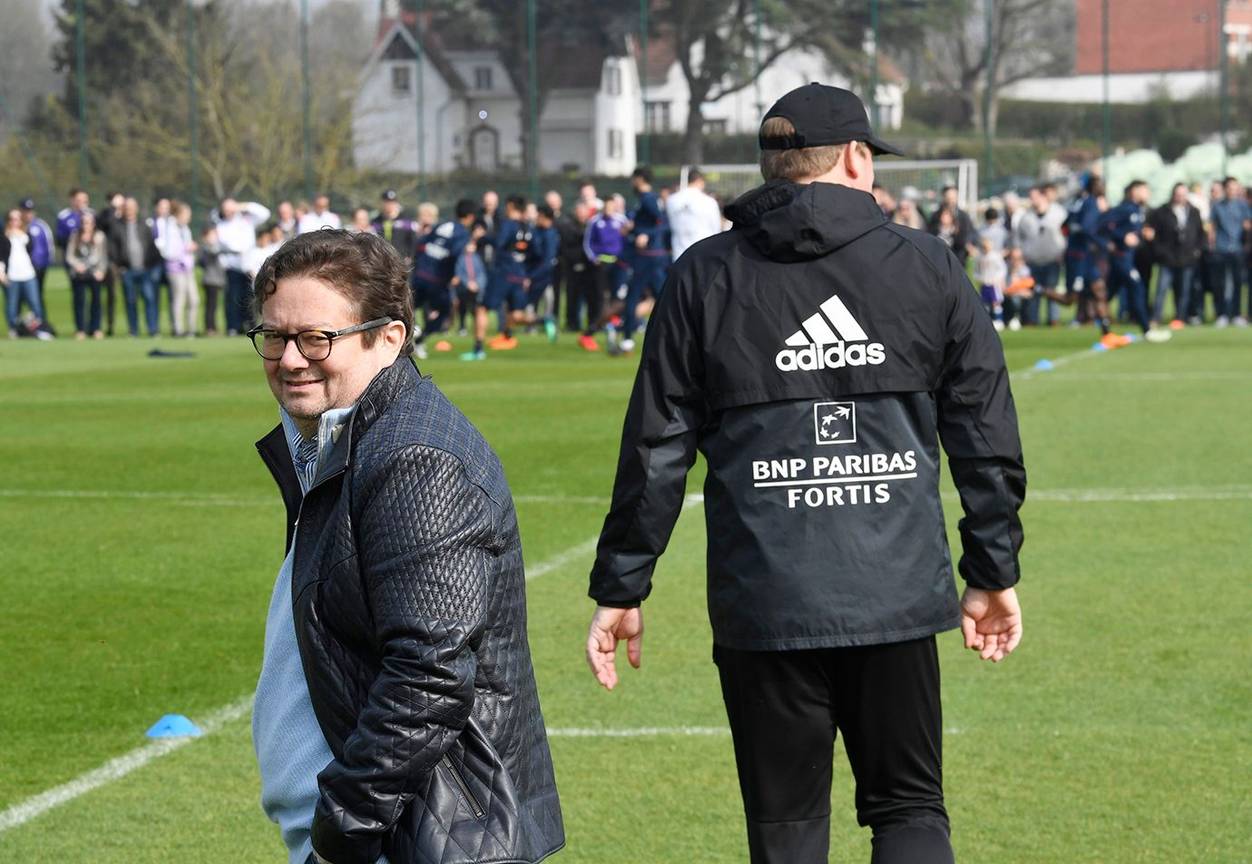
(801, 163)
(363, 267)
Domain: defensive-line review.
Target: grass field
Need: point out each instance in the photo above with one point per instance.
(142, 536)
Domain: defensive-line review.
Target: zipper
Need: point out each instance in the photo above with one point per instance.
(477, 808)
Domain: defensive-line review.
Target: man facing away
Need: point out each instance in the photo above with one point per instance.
(396, 716)
(649, 258)
(818, 355)
(693, 214)
(434, 273)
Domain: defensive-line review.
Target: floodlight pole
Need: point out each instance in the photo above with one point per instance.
(756, 55)
(307, 99)
(1107, 111)
(418, 82)
(645, 155)
(80, 62)
(533, 131)
(1223, 97)
(989, 23)
(193, 118)
(873, 63)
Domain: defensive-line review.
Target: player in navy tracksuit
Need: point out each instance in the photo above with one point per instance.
(434, 271)
(541, 267)
(1085, 259)
(1121, 229)
(506, 283)
(649, 254)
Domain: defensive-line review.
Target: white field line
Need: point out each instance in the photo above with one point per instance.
(586, 550)
(181, 499)
(658, 732)
(116, 769)
(213, 500)
(1063, 360)
(1156, 376)
(1194, 493)
(1075, 496)
(640, 732)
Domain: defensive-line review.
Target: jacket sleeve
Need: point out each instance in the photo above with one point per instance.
(978, 428)
(659, 440)
(256, 213)
(425, 536)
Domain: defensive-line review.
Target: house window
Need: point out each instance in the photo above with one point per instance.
(482, 78)
(656, 116)
(401, 80)
(615, 143)
(715, 127)
(613, 81)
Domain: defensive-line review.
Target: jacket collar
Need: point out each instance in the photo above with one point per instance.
(374, 402)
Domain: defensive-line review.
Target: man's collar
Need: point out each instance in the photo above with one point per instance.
(378, 396)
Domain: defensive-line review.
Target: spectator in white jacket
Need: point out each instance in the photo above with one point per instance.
(236, 231)
(693, 214)
(319, 217)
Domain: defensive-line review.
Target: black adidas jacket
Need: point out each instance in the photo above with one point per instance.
(817, 355)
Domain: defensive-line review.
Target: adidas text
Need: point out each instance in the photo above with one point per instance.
(813, 358)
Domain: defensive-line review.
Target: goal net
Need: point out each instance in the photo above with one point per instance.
(920, 177)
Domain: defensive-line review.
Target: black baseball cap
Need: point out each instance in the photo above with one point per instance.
(390, 195)
(27, 204)
(823, 116)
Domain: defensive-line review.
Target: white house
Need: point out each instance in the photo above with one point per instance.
(667, 96)
(472, 116)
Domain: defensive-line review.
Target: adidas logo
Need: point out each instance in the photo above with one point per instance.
(829, 339)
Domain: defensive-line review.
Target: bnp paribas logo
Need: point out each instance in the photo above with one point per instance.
(834, 422)
(829, 339)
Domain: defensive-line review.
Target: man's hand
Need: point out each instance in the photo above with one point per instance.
(608, 626)
(991, 622)
(641, 242)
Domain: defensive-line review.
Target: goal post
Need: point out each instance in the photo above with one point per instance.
(927, 176)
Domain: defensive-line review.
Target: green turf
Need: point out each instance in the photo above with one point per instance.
(1119, 732)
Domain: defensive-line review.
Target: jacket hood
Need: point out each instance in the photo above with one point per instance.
(789, 221)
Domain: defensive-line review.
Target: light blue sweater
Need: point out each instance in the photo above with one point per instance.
(290, 747)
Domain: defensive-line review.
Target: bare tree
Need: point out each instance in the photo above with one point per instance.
(26, 72)
(248, 81)
(714, 41)
(1027, 38)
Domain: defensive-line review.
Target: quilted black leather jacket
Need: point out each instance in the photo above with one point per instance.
(410, 614)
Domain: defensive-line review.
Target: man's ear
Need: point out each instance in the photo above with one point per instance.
(858, 163)
(394, 334)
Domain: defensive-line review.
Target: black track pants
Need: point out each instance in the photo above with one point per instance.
(784, 709)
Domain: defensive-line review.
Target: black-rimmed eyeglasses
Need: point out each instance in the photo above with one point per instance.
(312, 344)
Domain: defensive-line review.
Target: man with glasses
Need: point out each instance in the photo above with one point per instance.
(396, 716)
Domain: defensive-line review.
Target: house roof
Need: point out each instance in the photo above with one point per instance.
(392, 29)
(577, 66)
(662, 55)
(574, 66)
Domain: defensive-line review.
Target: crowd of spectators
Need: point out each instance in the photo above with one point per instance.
(596, 265)
(1034, 255)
